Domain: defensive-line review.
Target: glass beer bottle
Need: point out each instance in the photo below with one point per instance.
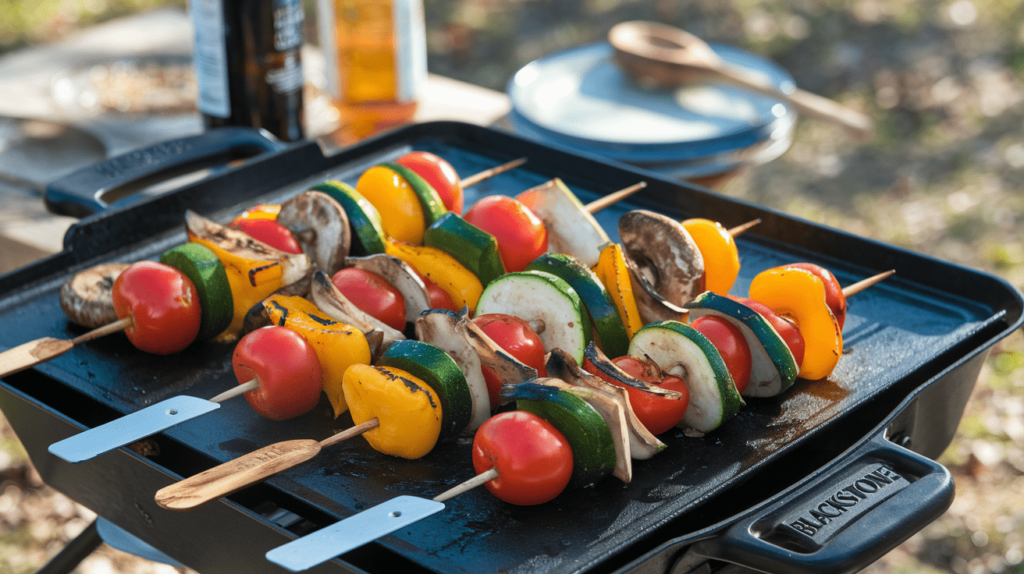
(375, 59)
(248, 64)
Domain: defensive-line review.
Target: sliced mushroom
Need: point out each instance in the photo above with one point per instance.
(571, 229)
(321, 227)
(652, 307)
(441, 329)
(664, 253)
(609, 369)
(240, 244)
(335, 305)
(509, 370)
(399, 275)
(300, 288)
(614, 416)
(87, 298)
(642, 444)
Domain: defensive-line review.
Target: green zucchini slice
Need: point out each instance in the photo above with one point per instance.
(593, 449)
(608, 326)
(367, 228)
(440, 371)
(471, 246)
(773, 368)
(549, 304)
(430, 201)
(201, 265)
(683, 351)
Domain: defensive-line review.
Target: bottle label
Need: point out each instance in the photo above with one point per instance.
(411, 51)
(210, 57)
(288, 17)
(286, 78)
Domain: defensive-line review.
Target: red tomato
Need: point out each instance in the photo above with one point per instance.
(163, 305)
(533, 459)
(520, 233)
(439, 298)
(439, 174)
(657, 413)
(371, 293)
(787, 330)
(272, 233)
(731, 344)
(834, 297)
(287, 369)
(515, 336)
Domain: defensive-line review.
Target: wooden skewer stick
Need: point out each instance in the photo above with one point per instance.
(613, 198)
(41, 350)
(234, 392)
(249, 469)
(739, 229)
(477, 178)
(468, 485)
(865, 283)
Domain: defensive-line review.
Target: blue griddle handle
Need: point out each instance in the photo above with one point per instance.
(82, 192)
(848, 518)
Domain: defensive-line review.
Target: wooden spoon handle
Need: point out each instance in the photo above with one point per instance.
(236, 474)
(805, 102)
(31, 354)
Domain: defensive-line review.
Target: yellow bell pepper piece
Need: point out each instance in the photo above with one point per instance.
(261, 211)
(612, 271)
(399, 207)
(407, 408)
(337, 345)
(460, 283)
(251, 282)
(800, 295)
(718, 248)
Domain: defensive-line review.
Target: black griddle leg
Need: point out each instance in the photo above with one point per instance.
(69, 558)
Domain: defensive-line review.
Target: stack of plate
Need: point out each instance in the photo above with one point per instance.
(581, 100)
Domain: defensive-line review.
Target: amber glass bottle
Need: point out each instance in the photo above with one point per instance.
(375, 60)
(248, 64)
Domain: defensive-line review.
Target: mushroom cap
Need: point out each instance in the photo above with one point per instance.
(664, 253)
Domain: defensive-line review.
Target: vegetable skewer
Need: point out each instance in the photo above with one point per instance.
(399, 512)
(157, 308)
(284, 384)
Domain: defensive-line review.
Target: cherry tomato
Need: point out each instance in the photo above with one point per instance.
(834, 297)
(787, 330)
(439, 174)
(272, 233)
(520, 233)
(374, 295)
(439, 298)
(657, 413)
(286, 367)
(731, 344)
(163, 305)
(533, 459)
(515, 336)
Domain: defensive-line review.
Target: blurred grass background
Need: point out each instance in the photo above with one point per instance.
(944, 82)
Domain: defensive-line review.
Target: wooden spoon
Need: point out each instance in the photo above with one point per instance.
(663, 56)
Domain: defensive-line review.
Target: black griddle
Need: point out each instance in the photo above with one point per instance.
(913, 348)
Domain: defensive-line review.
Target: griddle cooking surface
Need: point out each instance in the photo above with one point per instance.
(893, 331)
